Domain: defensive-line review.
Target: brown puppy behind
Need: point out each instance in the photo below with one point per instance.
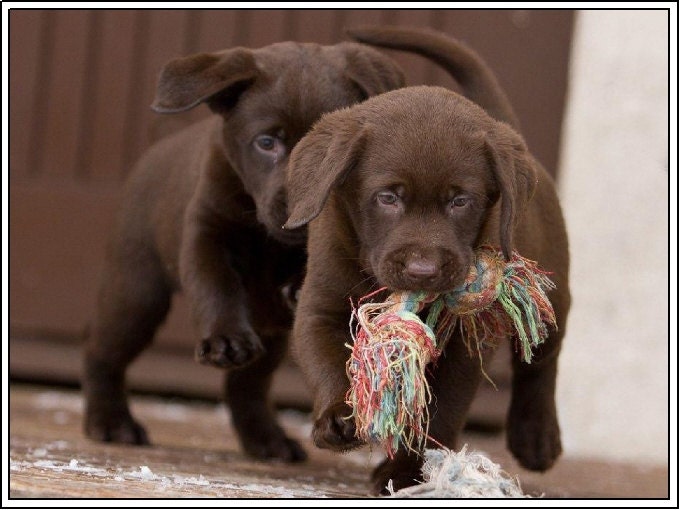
(401, 189)
(202, 212)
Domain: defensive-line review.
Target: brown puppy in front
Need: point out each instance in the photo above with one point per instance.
(202, 212)
(401, 189)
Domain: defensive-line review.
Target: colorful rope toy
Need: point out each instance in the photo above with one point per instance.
(393, 346)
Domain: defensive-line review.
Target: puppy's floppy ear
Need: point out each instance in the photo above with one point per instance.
(188, 81)
(373, 72)
(515, 173)
(319, 162)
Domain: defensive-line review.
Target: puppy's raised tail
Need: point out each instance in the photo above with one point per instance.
(478, 82)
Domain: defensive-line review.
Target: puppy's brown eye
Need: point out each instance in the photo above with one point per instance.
(265, 142)
(460, 201)
(387, 198)
(270, 146)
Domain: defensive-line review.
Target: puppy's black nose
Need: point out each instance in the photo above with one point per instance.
(421, 268)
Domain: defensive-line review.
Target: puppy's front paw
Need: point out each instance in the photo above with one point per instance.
(534, 438)
(402, 470)
(119, 428)
(334, 429)
(276, 446)
(228, 351)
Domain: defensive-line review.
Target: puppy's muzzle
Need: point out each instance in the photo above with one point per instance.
(434, 270)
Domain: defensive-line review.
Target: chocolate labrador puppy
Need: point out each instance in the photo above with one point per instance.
(398, 191)
(202, 212)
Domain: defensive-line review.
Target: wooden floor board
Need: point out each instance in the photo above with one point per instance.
(195, 455)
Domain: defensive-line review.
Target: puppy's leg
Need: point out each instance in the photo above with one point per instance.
(533, 433)
(133, 300)
(404, 470)
(321, 352)
(219, 302)
(247, 390)
(453, 381)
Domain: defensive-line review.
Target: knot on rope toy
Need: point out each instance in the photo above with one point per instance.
(392, 346)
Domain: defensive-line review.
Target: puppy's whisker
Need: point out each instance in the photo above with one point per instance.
(373, 285)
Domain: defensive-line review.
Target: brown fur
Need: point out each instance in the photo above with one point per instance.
(202, 212)
(401, 189)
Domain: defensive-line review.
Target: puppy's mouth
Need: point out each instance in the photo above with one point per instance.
(399, 276)
(291, 237)
(441, 285)
(273, 222)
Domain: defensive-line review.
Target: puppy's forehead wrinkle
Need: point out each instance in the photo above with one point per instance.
(303, 83)
(432, 167)
(300, 64)
(282, 54)
(422, 114)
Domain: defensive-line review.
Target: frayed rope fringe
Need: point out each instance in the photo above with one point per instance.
(448, 474)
